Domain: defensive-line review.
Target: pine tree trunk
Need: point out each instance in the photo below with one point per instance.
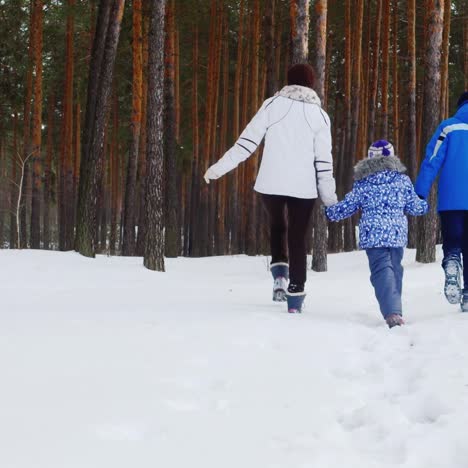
(411, 124)
(13, 184)
(177, 84)
(269, 40)
(141, 175)
(221, 241)
(352, 141)
(101, 70)
(444, 82)
(252, 162)
(395, 82)
(246, 109)
(27, 144)
(114, 177)
(194, 245)
(320, 225)
(465, 42)
(129, 240)
(48, 173)
(154, 241)
(374, 77)
(66, 171)
(299, 12)
(172, 242)
(77, 164)
(236, 176)
(214, 151)
(385, 68)
(204, 236)
(435, 18)
(37, 128)
(103, 201)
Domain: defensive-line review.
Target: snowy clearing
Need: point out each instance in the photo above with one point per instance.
(107, 365)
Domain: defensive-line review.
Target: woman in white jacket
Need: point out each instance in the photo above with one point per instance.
(296, 168)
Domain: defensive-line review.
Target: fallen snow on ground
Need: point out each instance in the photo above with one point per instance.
(107, 365)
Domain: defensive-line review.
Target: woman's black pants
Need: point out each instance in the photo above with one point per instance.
(289, 221)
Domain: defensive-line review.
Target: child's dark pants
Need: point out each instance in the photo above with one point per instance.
(387, 278)
(289, 220)
(455, 236)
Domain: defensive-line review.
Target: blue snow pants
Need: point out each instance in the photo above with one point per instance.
(387, 278)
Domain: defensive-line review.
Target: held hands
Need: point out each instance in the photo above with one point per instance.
(210, 174)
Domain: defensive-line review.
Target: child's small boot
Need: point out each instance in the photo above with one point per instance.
(394, 320)
(452, 289)
(295, 297)
(464, 302)
(280, 272)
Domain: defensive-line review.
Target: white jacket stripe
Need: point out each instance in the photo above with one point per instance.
(443, 135)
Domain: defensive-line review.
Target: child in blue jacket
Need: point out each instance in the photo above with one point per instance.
(384, 194)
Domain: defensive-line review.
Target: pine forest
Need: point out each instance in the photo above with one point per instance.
(111, 111)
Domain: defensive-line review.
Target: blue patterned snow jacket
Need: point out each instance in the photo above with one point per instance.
(384, 194)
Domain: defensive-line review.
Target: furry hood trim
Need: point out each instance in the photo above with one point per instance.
(300, 93)
(370, 166)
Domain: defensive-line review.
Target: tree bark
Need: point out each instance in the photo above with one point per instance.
(269, 39)
(395, 82)
(374, 73)
(101, 70)
(14, 183)
(444, 83)
(48, 173)
(252, 162)
(141, 176)
(385, 69)
(236, 176)
(129, 240)
(66, 169)
(154, 241)
(299, 12)
(435, 18)
(221, 241)
(320, 225)
(194, 246)
(411, 124)
(114, 176)
(465, 42)
(37, 128)
(172, 232)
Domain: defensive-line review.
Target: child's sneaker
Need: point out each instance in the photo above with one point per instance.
(280, 273)
(295, 298)
(452, 288)
(464, 302)
(394, 320)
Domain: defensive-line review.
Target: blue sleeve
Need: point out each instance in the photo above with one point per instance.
(414, 205)
(435, 155)
(345, 208)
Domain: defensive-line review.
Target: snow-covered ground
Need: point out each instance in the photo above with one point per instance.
(107, 365)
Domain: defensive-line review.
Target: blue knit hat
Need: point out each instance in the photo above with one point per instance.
(463, 99)
(381, 148)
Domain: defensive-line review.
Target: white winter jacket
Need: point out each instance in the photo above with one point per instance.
(297, 159)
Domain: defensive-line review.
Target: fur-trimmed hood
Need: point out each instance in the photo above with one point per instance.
(300, 93)
(370, 166)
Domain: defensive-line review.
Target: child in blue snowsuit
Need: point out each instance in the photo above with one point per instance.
(384, 194)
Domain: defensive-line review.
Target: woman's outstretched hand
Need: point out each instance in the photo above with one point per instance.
(210, 174)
